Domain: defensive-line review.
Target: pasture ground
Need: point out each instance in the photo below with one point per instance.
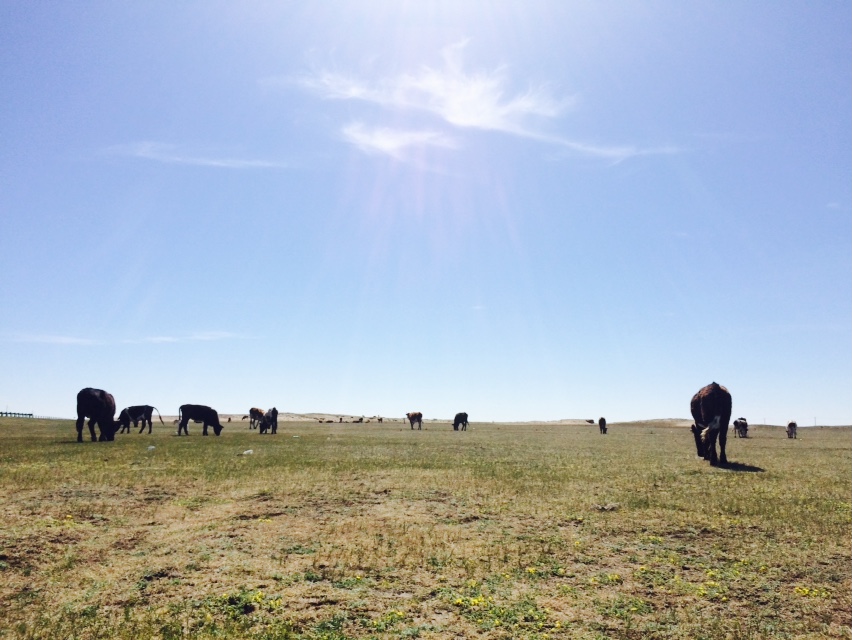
(328, 532)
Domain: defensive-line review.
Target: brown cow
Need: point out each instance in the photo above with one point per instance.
(711, 410)
(792, 427)
(415, 416)
(256, 417)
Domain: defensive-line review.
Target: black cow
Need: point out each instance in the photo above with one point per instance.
(602, 424)
(99, 407)
(198, 413)
(269, 422)
(460, 422)
(792, 428)
(740, 428)
(415, 416)
(142, 412)
(711, 410)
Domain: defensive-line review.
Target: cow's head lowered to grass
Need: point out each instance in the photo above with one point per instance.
(711, 410)
(198, 413)
(99, 407)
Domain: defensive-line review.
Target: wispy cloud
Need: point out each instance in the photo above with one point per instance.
(476, 100)
(393, 141)
(52, 339)
(171, 154)
(201, 336)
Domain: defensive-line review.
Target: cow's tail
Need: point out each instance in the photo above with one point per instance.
(159, 416)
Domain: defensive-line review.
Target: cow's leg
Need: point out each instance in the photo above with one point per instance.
(710, 453)
(723, 437)
(182, 426)
(204, 429)
(92, 430)
(81, 419)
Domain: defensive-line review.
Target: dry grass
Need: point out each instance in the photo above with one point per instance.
(377, 531)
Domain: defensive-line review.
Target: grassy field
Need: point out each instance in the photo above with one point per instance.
(376, 531)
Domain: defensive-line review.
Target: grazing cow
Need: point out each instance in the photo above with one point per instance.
(460, 422)
(198, 413)
(256, 416)
(711, 410)
(602, 424)
(792, 427)
(415, 416)
(740, 428)
(229, 418)
(590, 421)
(358, 420)
(244, 418)
(269, 422)
(378, 419)
(99, 407)
(134, 414)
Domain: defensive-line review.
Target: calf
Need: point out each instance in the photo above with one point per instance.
(415, 416)
(142, 412)
(198, 413)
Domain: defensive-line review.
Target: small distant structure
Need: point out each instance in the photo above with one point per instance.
(14, 414)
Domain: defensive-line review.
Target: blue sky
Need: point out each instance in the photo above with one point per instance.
(525, 211)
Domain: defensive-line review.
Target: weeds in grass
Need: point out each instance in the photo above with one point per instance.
(380, 533)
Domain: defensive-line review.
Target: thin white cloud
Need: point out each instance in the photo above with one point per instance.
(393, 142)
(169, 154)
(53, 339)
(477, 100)
(201, 336)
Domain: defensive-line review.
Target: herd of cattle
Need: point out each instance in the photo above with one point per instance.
(710, 408)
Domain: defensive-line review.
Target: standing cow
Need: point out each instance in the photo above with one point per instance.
(602, 424)
(99, 407)
(269, 421)
(792, 428)
(198, 413)
(711, 410)
(143, 412)
(460, 422)
(415, 416)
(740, 428)
(256, 417)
